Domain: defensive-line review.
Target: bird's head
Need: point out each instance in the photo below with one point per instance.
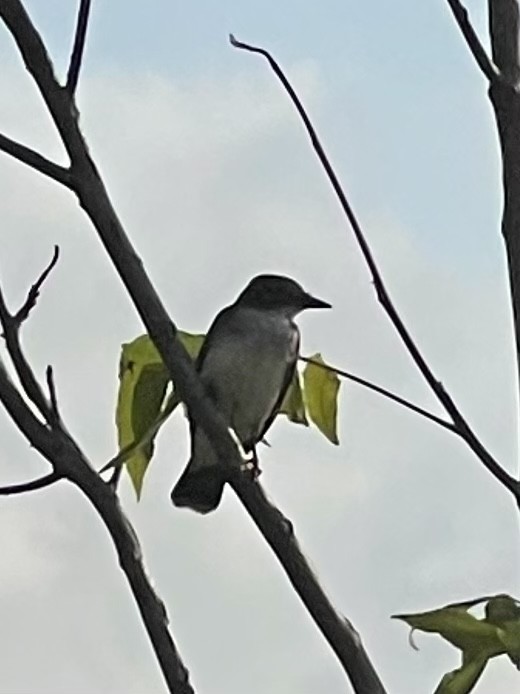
(276, 292)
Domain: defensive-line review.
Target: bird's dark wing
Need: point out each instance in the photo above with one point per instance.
(219, 322)
(289, 373)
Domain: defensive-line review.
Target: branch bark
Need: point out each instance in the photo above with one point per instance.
(78, 47)
(94, 199)
(70, 463)
(474, 44)
(504, 25)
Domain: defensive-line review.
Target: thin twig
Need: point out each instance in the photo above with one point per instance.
(54, 411)
(386, 393)
(23, 370)
(11, 328)
(383, 296)
(34, 291)
(478, 51)
(78, 47)
(31, 486)
(36, 161)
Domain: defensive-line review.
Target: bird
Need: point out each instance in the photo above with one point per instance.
(246, 363)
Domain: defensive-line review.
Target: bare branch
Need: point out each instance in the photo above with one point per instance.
(504, 26)
(69, 462)
(34, 291)
(336, 628)
(31, 486)
(79, 45)
(386, 393)
(383, 296)
(36, 59)
(35, 161)
(474, 44)
(24, 372)
(54, 412)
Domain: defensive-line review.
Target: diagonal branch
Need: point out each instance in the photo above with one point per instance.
(383, 296)
(34, 291)
(69, 462)
(78, 47)
(336, 628)
(385, 393)
(478, 51)
(36, 161)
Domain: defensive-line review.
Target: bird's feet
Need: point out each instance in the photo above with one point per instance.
(250, 461)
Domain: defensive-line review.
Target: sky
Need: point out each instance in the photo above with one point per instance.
(214, 180)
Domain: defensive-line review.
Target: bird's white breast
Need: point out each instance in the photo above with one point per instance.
(246, 366)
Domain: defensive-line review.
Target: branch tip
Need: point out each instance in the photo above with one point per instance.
(34, 291)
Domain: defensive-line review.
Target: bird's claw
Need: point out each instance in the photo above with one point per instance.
(250, 462)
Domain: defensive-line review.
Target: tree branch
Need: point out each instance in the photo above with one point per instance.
(34, 291)
(11, 326)
(383, 296)
(385, 393)
(35, 161)
(94, 199)
(54, 411)
(504, 26)
(31, 486)
(474, 44)
(336, 628)
(504, 30)
(23, 370)
(79, 45)
(69, 462)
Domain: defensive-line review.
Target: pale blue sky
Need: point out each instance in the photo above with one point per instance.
(214, 180)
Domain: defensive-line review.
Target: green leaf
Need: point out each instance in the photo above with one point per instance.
(462, 680)
(320, 394)
(504, 612)
(140, 412)
(478, 639)
(292, 406)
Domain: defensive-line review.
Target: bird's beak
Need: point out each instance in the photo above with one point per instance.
(313, 302)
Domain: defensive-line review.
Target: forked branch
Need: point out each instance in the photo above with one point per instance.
(478, 51)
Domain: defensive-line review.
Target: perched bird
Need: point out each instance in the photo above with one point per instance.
(246, 364)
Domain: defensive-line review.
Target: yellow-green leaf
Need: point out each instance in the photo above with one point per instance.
(462, 680)
(320, 394)
(139, 414)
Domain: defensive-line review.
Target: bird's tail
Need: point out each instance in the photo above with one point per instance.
(199, 488)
